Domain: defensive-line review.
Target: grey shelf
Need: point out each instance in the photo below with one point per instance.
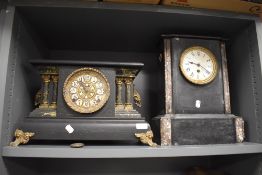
(129, 7)
(51, 151)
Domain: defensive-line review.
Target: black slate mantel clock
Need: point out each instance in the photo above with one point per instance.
(81, 100)
(197, 96)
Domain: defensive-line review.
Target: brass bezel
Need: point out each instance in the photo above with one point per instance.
(213, 59)
(82, 109)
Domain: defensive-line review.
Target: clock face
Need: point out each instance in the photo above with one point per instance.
(198, 65)
(86, 90)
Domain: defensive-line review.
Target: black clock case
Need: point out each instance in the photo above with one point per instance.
(102, 125)
(186, 93)
(209, 124)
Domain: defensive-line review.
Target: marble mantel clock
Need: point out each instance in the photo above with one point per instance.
(80, 100)
(197, 97)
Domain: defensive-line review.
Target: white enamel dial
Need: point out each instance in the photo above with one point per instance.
(198, 65)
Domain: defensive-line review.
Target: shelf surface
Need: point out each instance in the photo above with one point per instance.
(51, 151)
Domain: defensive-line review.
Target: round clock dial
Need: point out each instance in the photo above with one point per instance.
(86, 90)
(198, 65)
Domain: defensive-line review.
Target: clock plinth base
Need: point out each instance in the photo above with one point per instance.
(43, 112)
(93, 129)
(199, 129)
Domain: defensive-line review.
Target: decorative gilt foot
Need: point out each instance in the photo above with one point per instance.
(146, 138)
(21, 137)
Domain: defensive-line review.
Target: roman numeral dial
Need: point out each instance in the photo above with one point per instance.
(198, 65)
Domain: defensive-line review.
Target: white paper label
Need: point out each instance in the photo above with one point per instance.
(69, 129)
(141, 126)
(198, 103)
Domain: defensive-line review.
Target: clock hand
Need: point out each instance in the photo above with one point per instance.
(207, 71)
(194, 63)
(83, 86)
(88, 90)
(190, 62)
(199, 65)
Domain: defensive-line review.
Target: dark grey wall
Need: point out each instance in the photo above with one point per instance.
(132, 30)
(16, 93)
(245, 80)
(21, 81)
(238, 164)
(150, 166)
(6, 20)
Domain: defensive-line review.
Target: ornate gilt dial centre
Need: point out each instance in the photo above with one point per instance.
(86, 90)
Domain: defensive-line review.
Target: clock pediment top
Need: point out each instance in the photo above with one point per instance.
(42, 62)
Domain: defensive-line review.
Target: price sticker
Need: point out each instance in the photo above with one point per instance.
(141, 126)
(198, 103)
(69, 129)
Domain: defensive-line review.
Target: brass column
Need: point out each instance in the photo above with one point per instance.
(127, 77)
(55, 88)
(128, 103)
(45, 92)
(119, 103)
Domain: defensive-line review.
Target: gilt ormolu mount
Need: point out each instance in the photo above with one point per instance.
(70, 87)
